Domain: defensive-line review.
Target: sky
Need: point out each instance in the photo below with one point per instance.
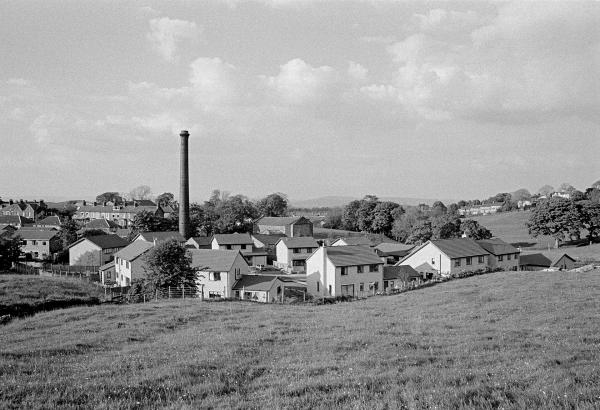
(306, 97)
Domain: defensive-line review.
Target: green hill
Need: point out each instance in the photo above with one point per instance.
(503, 340)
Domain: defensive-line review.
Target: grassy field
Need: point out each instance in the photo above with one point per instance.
(26, 294)
(503, 340)
(583, 254)
(511, 228)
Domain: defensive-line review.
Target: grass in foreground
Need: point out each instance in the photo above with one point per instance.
(26, 294)
(503, 340)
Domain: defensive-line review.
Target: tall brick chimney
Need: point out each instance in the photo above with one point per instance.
(184, 189)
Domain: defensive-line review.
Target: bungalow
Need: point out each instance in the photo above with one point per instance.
(534, 261)
(293, 252)
(158, 237)
(502, 254)
(449, 256)
(199, 242)
(290, 226)
(261, 288)
(39, 243)
(564, 262)
(95, 250)
(129, 263)
(394, 276)
(343, 271)
(217, 271)
(243, 243)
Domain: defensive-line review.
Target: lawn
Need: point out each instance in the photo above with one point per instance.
(511, 228)
(502, 340)
(26, 294)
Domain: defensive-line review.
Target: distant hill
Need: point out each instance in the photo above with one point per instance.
(331, 201)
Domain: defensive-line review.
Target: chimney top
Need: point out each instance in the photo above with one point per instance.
(184, 133)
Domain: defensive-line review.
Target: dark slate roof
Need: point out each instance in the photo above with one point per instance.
(355, 240)
(134, 250)
(388, 247)
(107, 241)
(268, 240)
(559, 257)
(14, 220)
(213, 260)
(50, 220)
(459, 248)
(233, 239)
(352, 255)
(300, 242)
(402, 272)
(534, 259)
(101, 224)
(426, 268)
(255, 282)
(279, 220)
(202, 240)
(161, 236)
(37, 234)
(497, 246)
(107, 265)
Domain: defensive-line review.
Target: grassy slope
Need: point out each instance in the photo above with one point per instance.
(520, 340)
(588, 253)
(28, 293)
(510, 227)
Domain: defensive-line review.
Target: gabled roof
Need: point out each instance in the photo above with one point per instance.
(459, 247)
(402, 272)
(394, 247)
(233, 239)
(160, 236)
(426, 268)
(559, 257)
(14, 220)
(281, 220)
(497, 246)
(104, 241)
(535, 259)
(37, 234)
(134, 250)
(268, 240)
(52, 220)
(107, 265)
(352, 256)
(213, 260)
(255, 282)
(101, 224)
(354, 240)
(202, 240)
(299, 242)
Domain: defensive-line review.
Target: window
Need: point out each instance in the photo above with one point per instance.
(44, 243)
(433, 261)
(361, 287)
(317, 286)
(214, 295)
(480, 259)
(298, 263)
(456, 263)
(469, 261)
(373, 268)
(309, 250)
(359, 269)
(296, 250)
(215, 276)
(347, 290)
(508, 257)
(500, 258)
(344, 270)
(228, 246)
(34, 242)
(242, 246)
(516, 256)
(329, 289)
(128, 265)
(237, 272)
(107, 275)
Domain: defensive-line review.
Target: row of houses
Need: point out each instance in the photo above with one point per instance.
(121, 215)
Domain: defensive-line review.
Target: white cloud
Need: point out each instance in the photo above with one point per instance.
(213, 81)
(18, 81)
(299, 82)
(357, 71)
(166, 34)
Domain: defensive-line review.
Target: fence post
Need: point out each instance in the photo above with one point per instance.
(169, 292)
(156, 295)
(144, 298)
(183, 292)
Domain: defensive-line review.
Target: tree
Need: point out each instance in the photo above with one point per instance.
(421, 232)
(596, 184)
(577, 196)
(462, 203)
(236, 214)
(93, 232)
(453, 209)
(438, 209)
(333, 221)
(567, 188)
(68, 232)
(593, 194)
(557, 217)
(167, 199)
(546, 190)
(168, 265)
(113, 197)
(446, 227)
(383, 218)
(473, 230)
(273, 205)
(590, 217)
(146, 221)
(365, 213)
(10, 249)
(521, 195)
(350, 215)
(140, 192)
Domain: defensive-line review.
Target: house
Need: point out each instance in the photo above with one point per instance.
(483, 209)
(534, 261)
(261, 288)
(290, 226)
(158, 237)
(130, 264)
(352, 241)
(199, 242)
(391, 253)
(122, 215)
(449, 256)
(267, 243)
(242, 242)
(563, 262)
(95, 250)
(29, 210)
(15, 220)
(293, 252)
(394, 276)
(51, 221)
(343, 271)
(39, 243)
(107, 273)
(103, 225)
(502, 254)
(426, 270)
(217, 271)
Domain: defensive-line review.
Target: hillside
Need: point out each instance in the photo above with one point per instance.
(503, 340)
(511, 227)
(335, 201)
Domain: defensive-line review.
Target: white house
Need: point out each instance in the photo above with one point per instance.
(292, 253)
(241, 242)
(217, 271)
(130, 264)
(95, 250)
(158, 237)
(448, 256)
(502, 254)
(262, 288)
(343, 271)
(352, 240)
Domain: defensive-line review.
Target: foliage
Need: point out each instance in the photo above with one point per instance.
(167, 199)
(350, 215)
(10, 249)
(68, 232)
(93, 232)
(141, 192)
(275, 204)
(474, 230)
(557, 217)
(446, 227)
(167, 264)
(590, 217)
(421, 232)
(546, 190)
(593, 194)
(521, 195)
(113, 197)
(566, 188)
(438, 209)
(453, 209)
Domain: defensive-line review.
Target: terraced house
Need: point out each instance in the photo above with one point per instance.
(39, 244)
(120, 214)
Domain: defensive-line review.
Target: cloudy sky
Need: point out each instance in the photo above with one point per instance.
(306, 97)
